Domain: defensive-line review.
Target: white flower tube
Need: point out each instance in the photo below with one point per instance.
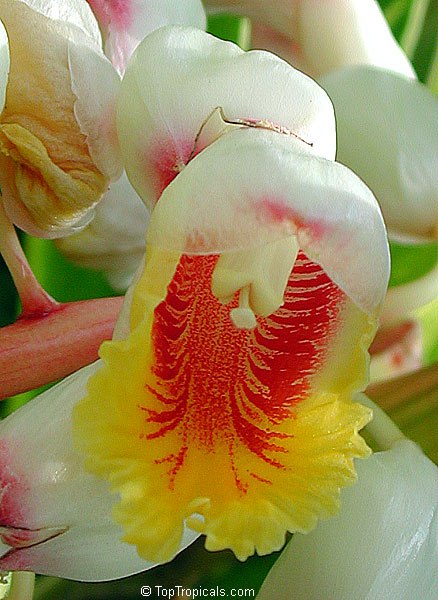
(55, 518)
(319, 36)
(383, 544)
(114, 242)
(386, 127)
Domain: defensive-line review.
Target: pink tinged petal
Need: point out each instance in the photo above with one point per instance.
(267, 185)
(46, 493)
(382, 545)
(114, 242)
(158, 136)
(126, 22)
(386, 127)
(265, 37)
(96, 84)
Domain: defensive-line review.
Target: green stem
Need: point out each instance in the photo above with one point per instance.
(432, 78)
(22, 586)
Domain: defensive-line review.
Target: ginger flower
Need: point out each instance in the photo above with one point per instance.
(57, 150)
(225, 402)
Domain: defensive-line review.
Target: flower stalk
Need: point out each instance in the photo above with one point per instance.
(34, 299)
(69, 335)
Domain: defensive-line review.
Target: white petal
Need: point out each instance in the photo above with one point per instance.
(126, 24)
(282, 16)
(329, 35)
(4, 64)
(157, 132)
(72, 12)
(383, 545)
(114, 242)
(96, 84)
(252, 187)
(386, 127)
(348, 32)
(45, 486)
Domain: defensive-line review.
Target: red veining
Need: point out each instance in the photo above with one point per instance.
(218, 387)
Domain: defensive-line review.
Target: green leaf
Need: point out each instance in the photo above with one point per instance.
(428, 317)
(396, 13)
(59, 277)
(426, 47)
(411, 261)
(231, 28)
(414, 26)
(8, 296)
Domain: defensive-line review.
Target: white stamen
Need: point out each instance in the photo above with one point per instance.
(243, 317)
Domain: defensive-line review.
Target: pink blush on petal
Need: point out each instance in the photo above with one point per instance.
(14, 489)
(167, 161)
(16, 560)
(113, 12)
(277, 212)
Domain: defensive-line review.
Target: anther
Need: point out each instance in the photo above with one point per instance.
(243, 317)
